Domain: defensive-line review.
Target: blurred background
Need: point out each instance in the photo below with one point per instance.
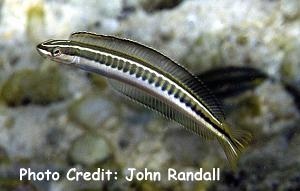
(57, 117)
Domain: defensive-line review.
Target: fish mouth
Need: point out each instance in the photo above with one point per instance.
(41, 49)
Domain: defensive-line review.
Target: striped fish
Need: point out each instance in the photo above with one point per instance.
(152, 79)
(226, 82)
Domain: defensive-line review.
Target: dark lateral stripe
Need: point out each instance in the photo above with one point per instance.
(145, 74)
(216, 109)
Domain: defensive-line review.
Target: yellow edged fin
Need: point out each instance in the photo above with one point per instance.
(235, 144)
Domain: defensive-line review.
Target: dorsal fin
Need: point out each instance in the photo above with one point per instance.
(134, 49)
(157, 60)
(155, 104)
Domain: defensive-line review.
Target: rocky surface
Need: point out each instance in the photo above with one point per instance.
(57, 117)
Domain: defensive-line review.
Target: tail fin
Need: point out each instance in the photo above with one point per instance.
(235, 145)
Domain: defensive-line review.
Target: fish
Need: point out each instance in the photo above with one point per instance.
(150, 78)
(230, 81)
(293, 89)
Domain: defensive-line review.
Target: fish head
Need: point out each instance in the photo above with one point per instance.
(56, 50)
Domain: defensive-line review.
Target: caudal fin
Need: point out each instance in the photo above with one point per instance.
(235, 145)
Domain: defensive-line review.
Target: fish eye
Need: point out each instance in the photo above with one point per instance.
(56, 51)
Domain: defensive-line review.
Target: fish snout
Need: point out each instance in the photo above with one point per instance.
(42, 50)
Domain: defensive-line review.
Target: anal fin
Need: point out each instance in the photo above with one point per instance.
(159, 106)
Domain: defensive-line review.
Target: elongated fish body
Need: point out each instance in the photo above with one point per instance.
(151, 79)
